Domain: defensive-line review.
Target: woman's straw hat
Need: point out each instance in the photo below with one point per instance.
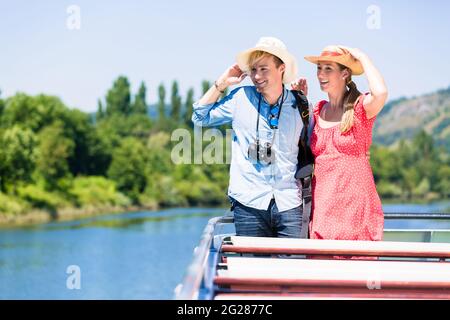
(339, 55)
(275, 47)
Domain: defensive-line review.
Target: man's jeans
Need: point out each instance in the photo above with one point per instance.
(266, 223)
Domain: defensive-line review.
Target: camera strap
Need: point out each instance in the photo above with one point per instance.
(259, 114)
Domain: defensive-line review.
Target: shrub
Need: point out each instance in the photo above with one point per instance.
(97, 191)
(42, 199)
(11, 206)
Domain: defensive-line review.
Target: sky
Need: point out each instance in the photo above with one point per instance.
(189, 41)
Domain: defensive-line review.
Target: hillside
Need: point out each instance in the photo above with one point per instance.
(403, 118)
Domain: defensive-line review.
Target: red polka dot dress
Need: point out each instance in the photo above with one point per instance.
(345, 205)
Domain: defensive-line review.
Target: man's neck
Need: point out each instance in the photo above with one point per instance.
(273, 96)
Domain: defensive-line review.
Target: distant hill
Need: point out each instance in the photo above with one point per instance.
(404, 117)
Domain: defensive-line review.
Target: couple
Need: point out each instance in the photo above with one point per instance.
(265, 196)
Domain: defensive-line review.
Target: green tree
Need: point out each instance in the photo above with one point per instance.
(175, 102)
(90, 156)
(118, 97)
(188, 107)
(2, 107)
(405, 155)
(205, 86)
(161, 103)
(128, 167)
(100, 111)
(17, 157)
(52, 155)
(444, 184)
(113, 129)
(140, 104)
(384, 163)
(426, 158)
(410, 180)
(32, 112)
(424, 146)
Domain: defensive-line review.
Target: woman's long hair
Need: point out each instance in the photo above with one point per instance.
(350, 99)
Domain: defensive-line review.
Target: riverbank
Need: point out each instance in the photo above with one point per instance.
(36, 216)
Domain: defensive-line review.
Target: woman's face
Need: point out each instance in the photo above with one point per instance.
(331, 77)
(266, 75)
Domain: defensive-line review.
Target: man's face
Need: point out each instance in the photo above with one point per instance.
(266, 75)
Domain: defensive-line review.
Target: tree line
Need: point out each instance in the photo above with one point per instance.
(54, 157)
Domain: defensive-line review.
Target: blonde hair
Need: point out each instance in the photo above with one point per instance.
(258, 55)
(350, 99)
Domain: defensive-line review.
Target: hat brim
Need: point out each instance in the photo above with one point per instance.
(290, 73)
(346, 60)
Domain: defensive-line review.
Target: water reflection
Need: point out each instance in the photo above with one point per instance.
(125, 223)
(122, 220)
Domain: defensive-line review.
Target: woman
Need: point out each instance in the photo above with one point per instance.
(346, 205)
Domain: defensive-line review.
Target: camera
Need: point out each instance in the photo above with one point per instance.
(261, 153)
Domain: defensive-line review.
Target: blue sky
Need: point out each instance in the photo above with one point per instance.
(194, 40)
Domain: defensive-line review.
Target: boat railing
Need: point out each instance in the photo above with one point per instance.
(414, 215)
(196, 276)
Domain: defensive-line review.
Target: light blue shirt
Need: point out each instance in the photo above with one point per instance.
(255, 184)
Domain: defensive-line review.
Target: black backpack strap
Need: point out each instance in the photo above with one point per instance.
(307, 202)
(302, 106)
(305, 157)
(305, 162)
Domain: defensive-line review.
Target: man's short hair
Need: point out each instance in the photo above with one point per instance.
(258, 55)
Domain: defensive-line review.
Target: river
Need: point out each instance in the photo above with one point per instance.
(140, 255)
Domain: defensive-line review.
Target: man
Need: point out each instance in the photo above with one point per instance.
(264, 193)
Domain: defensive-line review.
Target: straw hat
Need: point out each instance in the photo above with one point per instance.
(337, 54)
(275, 47)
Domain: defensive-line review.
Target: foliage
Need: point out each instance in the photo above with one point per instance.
(118, 98)
(53, 153)
(53, 157)
(97, 191)
(128, 167)
(12, 205)
(140, 104)
(41, 198)
(17, 158)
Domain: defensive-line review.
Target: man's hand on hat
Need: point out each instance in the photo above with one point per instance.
(233, 75)
(355, 52)
(300, 85)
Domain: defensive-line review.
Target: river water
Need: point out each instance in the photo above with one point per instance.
(140, 255)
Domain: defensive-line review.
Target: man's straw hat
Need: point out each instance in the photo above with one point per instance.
(275, 47)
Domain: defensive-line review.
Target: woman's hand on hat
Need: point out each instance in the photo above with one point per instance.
(300, 85)
(355, 52)
(233, 75)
